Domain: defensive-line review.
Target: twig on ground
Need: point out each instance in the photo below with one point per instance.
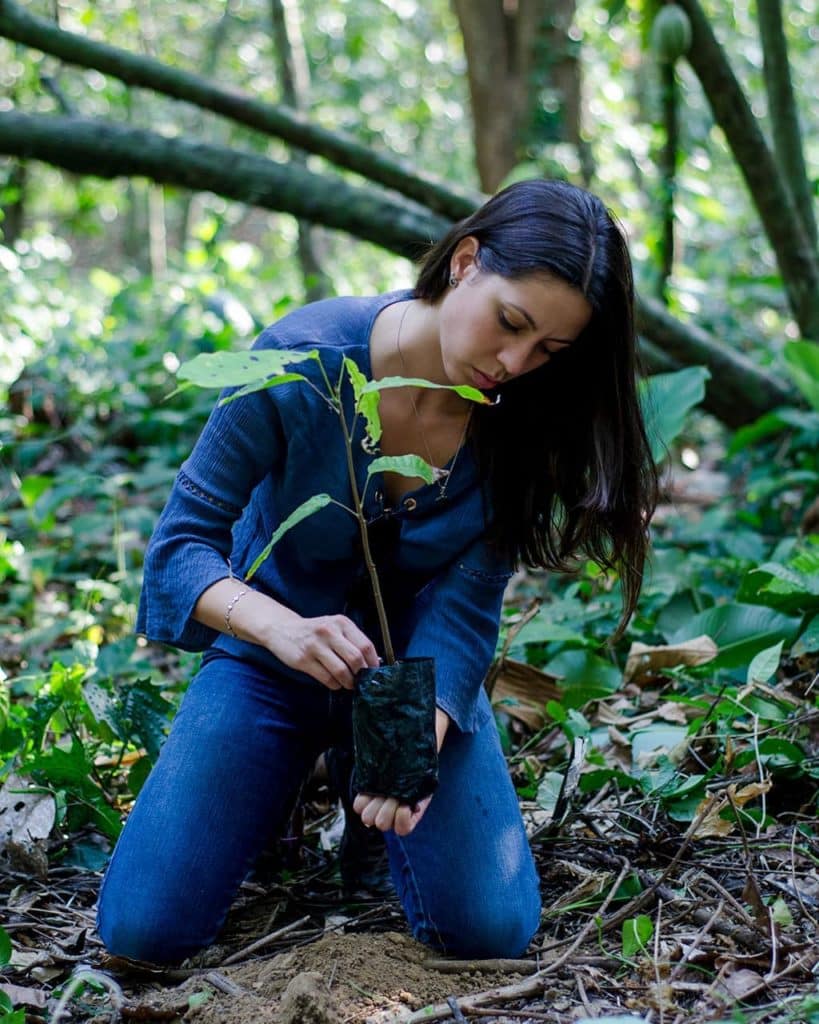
(264, 941)
(692, 949)
(457, 1016)
(581, 991)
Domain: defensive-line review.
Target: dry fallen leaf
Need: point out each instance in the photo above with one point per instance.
(645, 663)
(523, 691)
(740, 984)
(25, 814)
(712, 824)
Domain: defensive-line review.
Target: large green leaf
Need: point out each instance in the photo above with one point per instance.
(802, 363)
(739, 630)
(582, 677)
(406, 465)
(307, 508)
(667, 398)
(235, 369)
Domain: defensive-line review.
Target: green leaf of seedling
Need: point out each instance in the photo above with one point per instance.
(802, 363)
(235, 369)
(307, 508)
(637, 933)
(464, 390)
(765, 664)
(406, 465)
(261, 385)
(366, 402)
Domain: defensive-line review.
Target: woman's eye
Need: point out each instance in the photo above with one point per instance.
(507, 324)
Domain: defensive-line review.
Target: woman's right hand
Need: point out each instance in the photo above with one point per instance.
(330, 648)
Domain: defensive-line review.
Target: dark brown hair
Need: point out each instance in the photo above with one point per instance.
(565, 455)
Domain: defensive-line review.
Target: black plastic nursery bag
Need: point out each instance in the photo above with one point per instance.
(394, 730)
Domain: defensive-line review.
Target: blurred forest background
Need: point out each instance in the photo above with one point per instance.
(173, 177)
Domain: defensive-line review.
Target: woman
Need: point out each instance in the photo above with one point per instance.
(529, 299)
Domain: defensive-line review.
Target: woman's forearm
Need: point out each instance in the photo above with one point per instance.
(252, 616)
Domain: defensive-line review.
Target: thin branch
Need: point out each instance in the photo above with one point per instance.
(782, 111)
(108, 150)
(341, 150)
(796, 257)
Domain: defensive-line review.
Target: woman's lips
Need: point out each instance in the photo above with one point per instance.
(482, 381)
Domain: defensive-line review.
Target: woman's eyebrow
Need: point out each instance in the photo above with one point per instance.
(523, 313)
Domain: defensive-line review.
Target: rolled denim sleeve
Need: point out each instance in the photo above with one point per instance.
(190, 547)
(456, 621)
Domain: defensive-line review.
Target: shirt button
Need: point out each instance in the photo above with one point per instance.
(409, 504)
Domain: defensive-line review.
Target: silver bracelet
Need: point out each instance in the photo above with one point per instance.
(231, 605)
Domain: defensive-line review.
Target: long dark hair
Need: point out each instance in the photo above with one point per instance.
(565, 456)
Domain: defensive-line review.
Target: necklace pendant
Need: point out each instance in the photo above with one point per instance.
(439, 474)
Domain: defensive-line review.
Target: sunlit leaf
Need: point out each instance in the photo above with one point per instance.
(464, 390)
(667, 398)
(802, 362)
(366, 402)
(307, 508)
(236, 369)
(406, 465)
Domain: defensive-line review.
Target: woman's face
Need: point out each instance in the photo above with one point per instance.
(494, 328)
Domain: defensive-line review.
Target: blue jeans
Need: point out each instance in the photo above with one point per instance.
(225, 784)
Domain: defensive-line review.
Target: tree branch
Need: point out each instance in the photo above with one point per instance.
(106, 150)
(797, 259)
(738, 392)
(133, 69)
(782, 111)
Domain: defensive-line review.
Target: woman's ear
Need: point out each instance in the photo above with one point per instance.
(464, 261)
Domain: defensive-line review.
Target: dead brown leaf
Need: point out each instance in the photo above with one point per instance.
(712, 824)
(645, 663)
(523, 691)
(740, 984)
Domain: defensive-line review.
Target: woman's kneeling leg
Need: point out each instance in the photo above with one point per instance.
(466, 876)
(225, 781)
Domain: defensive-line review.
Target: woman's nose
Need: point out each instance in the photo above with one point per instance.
(513, 360)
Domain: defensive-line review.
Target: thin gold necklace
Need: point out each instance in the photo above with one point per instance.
(440, 474)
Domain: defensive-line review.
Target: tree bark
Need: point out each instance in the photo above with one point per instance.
(738, 393)
(797, 259)
(294, 75)
(341, 150)
(499, 40)
(96, 147)
(782, 111)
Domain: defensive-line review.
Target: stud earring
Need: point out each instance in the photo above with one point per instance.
(453, 281)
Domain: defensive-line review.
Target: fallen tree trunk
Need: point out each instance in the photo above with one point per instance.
(738, 392)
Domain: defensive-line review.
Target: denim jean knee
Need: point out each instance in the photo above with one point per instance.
(224, 784)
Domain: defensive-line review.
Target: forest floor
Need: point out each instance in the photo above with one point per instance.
(644, 919)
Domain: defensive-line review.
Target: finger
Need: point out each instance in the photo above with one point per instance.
(386, 815)
(362, 643)
(403, 824)
(370, 812)
(419, 810)
(320, 673)
(360, 802)
(336, 668)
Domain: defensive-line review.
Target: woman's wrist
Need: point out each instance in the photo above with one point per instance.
(234, 608)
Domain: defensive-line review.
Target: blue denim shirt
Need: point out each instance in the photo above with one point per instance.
(260, 457)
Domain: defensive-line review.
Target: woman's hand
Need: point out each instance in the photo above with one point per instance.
(330, 648)
(385, 812)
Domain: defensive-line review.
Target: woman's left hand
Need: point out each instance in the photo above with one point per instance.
(385, 812)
